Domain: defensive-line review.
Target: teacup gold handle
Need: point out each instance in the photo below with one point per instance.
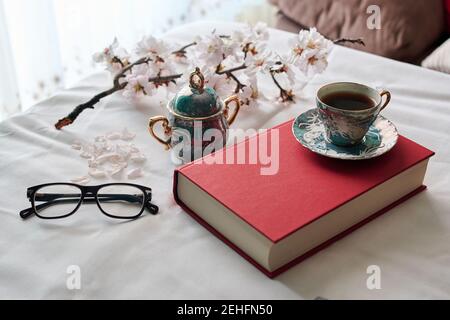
(388, 98)
(228, 101)
(166, 127)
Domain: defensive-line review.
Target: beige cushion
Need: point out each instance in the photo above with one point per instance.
(439, 60)
(408, 28)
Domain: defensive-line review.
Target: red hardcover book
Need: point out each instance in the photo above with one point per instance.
(277, 220)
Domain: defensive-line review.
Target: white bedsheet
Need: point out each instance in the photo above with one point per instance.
(170, 256)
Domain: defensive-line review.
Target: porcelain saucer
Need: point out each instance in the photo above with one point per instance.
(308, 129)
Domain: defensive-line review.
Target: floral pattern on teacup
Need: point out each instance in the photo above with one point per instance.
(309, 130)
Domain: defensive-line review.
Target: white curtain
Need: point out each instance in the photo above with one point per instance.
(48, 44)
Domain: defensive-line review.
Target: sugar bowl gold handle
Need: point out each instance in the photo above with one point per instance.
(231, 118)
(167, 130)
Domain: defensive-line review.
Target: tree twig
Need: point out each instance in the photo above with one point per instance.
(123, 72)
(68, 120)
(285, 95)
(96, 99)
(165, 80)
(358, 41)
(221, 72)
(230, 74)
(181, 53)
(88, 105)
(116, 59)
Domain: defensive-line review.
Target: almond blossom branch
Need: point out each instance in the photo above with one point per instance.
(221, 72)
(229, 73)
(128, 68)
(88, 105)
(136, 81)
(358, 41)
(158, 81)
(96, 99)
(181, 53)
(116, 59)
(68, 120)
(285, 95)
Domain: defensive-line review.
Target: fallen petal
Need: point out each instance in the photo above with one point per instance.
(116, 171)
(96, 173)
(108, 157)
(138, 158)
(76, 147)
(113, 136)
(123, 150)
(108, 147)
(135, 174)
(86, 155)
(81, 180)
(133, 148)
(99, 149)
(127, 135)
(93, 163)
(89, 148)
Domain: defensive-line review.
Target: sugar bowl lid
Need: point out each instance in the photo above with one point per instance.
(196, 100)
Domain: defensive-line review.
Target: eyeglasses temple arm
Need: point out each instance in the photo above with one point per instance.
(153, 209)
(25, 214)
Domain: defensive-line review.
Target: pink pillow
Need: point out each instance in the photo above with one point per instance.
(401, 36)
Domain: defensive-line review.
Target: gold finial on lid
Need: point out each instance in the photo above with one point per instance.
(199, 83)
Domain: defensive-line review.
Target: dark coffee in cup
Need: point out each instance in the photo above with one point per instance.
(349, 101)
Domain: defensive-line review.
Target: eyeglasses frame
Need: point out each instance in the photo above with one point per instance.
(85, 192)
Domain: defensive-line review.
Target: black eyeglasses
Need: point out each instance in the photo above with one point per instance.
(116, 200)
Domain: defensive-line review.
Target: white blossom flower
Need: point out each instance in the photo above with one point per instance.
(210, 49)
(251, 40)
(286, 66)
(310, 51)
(114, 57)
(261, 32)
(213, 49)
(312, 62)
(290, 73)
(239, 36)
(252, 34)
(138, 83)
(258, 63)
(249, 96)
(309, 40)
(223, 85)
(153, 48)
(161, 64)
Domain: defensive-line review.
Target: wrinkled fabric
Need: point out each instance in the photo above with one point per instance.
(171, 256)
(439, 60)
